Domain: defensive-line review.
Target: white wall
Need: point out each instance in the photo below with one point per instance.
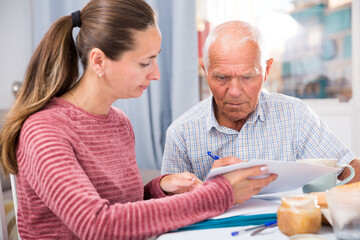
(341, 118)
(15, 45)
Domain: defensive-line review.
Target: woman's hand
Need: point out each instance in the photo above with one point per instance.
(242, 181)
(179, 183)
(245, 185)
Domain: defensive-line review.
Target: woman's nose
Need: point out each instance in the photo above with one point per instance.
(155, 75)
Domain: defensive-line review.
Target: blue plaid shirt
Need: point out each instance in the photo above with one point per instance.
(281, 128)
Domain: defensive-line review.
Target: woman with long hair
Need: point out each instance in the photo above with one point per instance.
(74, 154)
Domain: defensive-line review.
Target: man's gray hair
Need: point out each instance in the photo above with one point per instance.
(246, 31)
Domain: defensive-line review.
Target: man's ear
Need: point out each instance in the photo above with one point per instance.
(201, 62)
(97, 61)
(268, 67)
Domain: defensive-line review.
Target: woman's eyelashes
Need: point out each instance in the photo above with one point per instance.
(144, 64)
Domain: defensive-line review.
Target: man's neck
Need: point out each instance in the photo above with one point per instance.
(226, 122)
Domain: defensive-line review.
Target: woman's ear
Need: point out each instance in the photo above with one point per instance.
(97, 61)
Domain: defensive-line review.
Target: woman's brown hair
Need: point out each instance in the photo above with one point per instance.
(53, 69)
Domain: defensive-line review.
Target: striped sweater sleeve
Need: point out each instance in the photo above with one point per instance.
(153, 190)
(52, 171)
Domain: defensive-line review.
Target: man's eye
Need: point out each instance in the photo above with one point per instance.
(222, 77)
(246, 77)
(144, 64)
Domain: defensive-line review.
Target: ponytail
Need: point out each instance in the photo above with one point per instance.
(53, 70)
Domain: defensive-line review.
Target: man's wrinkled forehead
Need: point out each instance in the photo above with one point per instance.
(234, 52)
(233, 43)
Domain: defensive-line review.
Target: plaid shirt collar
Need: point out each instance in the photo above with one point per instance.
(257, 114)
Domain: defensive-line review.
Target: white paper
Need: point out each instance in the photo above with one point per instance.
(291, 175)
(251, 207)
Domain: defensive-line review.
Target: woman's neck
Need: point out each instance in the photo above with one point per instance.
(87, 95)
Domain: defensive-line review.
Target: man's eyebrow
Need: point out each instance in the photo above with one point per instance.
(250, 74)
(219, 74)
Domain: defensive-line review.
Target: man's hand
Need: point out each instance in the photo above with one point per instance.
(225, 162)
(356, 165)
(179, 183)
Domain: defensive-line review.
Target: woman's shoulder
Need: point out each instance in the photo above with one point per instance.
(120, 116)
(118, 112)
(57, 115)
(60, 114)
(56, 109)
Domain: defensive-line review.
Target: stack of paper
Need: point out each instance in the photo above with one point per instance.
(291, 175)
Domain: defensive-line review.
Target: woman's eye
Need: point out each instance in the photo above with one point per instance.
(144, 64)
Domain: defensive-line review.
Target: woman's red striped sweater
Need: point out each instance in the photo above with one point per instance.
(78, 179)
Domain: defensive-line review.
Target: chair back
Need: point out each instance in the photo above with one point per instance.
(3, 227)
(15, 200)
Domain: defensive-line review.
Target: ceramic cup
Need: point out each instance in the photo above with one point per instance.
(328, 181)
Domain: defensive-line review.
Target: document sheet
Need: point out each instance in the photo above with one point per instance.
(291, 175)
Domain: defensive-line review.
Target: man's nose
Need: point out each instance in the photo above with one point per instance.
(235, 87)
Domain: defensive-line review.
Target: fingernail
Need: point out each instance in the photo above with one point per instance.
(264, 169)
(191, 179)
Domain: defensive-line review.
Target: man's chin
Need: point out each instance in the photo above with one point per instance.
(237, 117)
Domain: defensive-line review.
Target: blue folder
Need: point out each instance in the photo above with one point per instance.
(236, 221)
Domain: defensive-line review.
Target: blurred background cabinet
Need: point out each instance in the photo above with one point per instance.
(315, 46)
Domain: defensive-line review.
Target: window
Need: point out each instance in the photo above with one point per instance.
(310, 41)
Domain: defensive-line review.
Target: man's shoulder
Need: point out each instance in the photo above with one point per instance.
(197, 113)
(278, 99)
(278, 105)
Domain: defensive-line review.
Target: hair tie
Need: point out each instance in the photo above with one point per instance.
(75, 16)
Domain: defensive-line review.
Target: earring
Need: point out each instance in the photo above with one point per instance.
(100, 75)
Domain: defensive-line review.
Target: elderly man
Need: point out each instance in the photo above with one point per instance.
(242, 121)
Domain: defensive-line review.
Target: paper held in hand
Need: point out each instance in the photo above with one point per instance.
(291, 175)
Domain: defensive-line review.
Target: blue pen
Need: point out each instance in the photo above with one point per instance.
(268, 224)
(213, 156)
